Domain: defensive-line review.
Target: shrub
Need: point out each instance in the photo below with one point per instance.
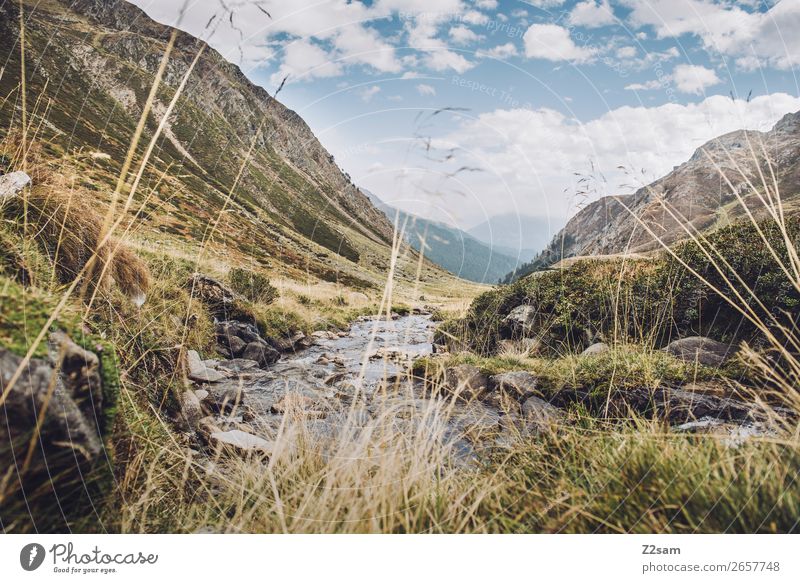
(738, 262)
(253, 285)
(650, 301)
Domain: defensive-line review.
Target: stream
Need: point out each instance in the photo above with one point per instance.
(354, 377)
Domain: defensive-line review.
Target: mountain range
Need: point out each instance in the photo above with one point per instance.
(516, 234)
(472, 255)
(713, 188)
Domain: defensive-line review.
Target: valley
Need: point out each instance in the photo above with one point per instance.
(207, 327)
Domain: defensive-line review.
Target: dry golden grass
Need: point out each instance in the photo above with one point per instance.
(396, 472)
(68, 227)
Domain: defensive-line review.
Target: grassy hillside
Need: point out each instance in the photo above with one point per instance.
(231, 169)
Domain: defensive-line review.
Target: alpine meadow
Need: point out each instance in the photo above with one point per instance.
(542, 276)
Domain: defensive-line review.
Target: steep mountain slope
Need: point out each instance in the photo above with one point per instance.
(695, 195)
(515, 234)
(229, 157)
(453, 249)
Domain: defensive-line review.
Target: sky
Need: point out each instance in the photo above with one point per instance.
(458, 110)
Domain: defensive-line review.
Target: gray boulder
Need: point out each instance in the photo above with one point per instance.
(519, 383)
(701, 349)
(233, 328)
(261, 352)
(678, 405)
(64, 403)
(519, 322)
(290, 343)
(240, 442)
(466, 382)
(198, 371)
(191, 409)
(595, 349)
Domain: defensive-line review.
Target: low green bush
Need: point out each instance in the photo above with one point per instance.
(253, 285)
(650, 301)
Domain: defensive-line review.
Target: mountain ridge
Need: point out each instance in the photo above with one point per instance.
(695, 195)
(228, 146)
(451, 248)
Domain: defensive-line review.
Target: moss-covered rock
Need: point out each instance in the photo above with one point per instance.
(58, 409)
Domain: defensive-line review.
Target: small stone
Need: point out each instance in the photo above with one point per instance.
(519, 322)
(236, 346)
(466, 382)
(262, 353)
(703, 424)
(239, 441)
(11, 184)
(201, 394)
(191, 410)
(519, 382)
(324, 335)
(199, 372)
(595, 349)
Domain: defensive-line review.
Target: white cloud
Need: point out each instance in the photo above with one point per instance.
(536, 151)
(690, 79)
(305, 60)
(627, 52)
(474, 17)
(341, 28)
(425, 89)
(364, 45)
(462, 35)
(499, 52)
(592, 14)
(553, 43)
(369, 92)
(754, 38)
(435, 52)
(646, 86)
(694, 79)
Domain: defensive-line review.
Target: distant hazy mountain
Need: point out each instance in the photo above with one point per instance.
(451, 248)
(516, 235)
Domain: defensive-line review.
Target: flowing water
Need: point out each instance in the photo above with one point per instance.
(364, 370)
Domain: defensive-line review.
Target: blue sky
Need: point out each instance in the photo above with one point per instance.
(549, 104)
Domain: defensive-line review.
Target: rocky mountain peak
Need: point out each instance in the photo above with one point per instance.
(695, 195)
